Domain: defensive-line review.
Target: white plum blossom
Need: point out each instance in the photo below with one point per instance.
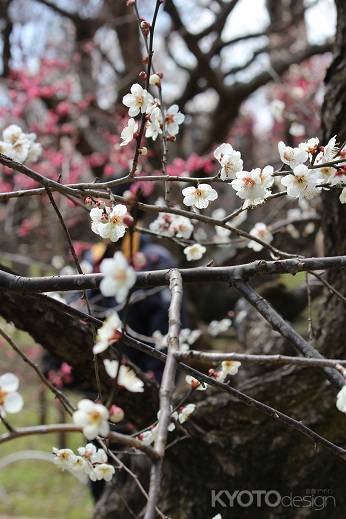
(118, 277)
(79, 464)
(228, 367)
(181, 227)
(173, 119)
(292, 156)
(328, 174)
(172, 225)
(102, 471)
(127, 378)
(194, 252)
(296, 129)
(217, 327)
(92, 417)
(20, 146)
(330, 150)
(154, 124)
(109, 332)
(277, 108)
(261, 231)
(10, 400)
(148, 437)
(341, 400)
(185, 412)
(162, 224)
(64, 458)
(137, 101)
(195, 384)
(199, 196)
(187, 337)
(99, 457)
(230, 161)
(221, 232)
(342, 196)
(253, 185)
(109, 223)
(302, 183)
(311, 145)
(128, 132)
(87, 451)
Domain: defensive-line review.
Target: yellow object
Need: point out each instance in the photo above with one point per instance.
(126, 243)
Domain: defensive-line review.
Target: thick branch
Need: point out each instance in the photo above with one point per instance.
(160, 277)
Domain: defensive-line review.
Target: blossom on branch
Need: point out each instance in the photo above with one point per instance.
(154, 124)
(199, 196)
(292, 156)
(137, 101)
(92, 417)
(194, 252)
(195, 384)
(128, 132)
(185, 412)
(126, 377)
(261, 231)
(173, 119)
(302, 183)
(109, 332)
(119, 277)
(110, 223)
(253, 185)
(230, 161)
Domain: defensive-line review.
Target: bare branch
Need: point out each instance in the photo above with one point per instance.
(287, 331)
(213, 357)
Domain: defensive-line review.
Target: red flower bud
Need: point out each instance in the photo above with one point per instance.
(143, 75)
(128, 220)
(145, 26)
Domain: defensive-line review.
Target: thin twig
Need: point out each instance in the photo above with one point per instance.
(58, 394)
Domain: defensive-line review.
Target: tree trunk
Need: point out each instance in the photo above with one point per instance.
(332, 338)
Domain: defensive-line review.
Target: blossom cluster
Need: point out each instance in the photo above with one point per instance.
(20, 146)
(10, 400)
(148, 436)
(228, 368)
(89, 460)
(140, 101)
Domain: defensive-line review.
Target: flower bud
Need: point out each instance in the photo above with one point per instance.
(128, 220)
(88, 200)
(116, 414)
(145, 26)
(154, 79)
(143, 75)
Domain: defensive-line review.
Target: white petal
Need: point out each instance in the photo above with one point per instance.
(13, 403)
(9, 382)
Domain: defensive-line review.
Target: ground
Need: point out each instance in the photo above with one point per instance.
(36, 488)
